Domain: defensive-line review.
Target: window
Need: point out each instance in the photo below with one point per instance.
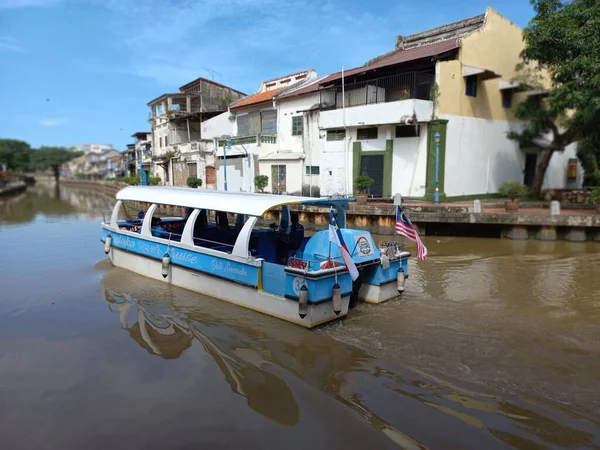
(507, 98)
(297, 126)
(243, 125)
(471, 86)
(366, 133)
(268, 121)
(278, 175)
(192, 169)
(407, 131)
(254, 123)
(160, 142)
(312, 170)
(336, 135)
(166, 144)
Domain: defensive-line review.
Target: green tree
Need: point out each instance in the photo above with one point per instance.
(564, 40)
(15, 154)
(52, 158)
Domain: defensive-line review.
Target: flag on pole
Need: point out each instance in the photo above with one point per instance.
(406, 228)
(335, 236)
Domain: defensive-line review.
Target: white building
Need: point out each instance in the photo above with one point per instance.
(381, 119)
(262, 141)
(91, 148)
(142, 151)
(441, 103)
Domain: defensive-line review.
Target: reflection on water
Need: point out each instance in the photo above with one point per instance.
(162, 331)
(493, 345)
(244, 347)
(53, 201)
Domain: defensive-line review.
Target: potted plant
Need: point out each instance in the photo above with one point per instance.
(512, 190)
(193, 182)
(261, 182)
(362, 185)
(595, 197)
(154, 180)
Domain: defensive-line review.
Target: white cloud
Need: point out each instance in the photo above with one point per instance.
(245, 41)
(8, 44)
(53, 121)
(24, 3)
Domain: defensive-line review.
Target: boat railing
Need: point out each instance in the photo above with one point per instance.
(198, 242)
(106, 215)
(310, 265)
(393, 244)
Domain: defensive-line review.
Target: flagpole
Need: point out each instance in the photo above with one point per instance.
(329, 253)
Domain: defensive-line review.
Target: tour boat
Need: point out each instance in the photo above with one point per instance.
(273, 269)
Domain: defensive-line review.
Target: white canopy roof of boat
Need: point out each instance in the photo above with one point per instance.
(234, 202)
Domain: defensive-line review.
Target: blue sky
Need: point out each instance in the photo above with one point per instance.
(82, 71)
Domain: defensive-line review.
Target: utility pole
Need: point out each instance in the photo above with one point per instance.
(227, 146)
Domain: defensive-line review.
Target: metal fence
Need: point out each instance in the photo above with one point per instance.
(410, 85)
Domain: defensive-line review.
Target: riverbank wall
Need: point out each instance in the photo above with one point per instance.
(12, 188)
(108, 187)
(535, 220)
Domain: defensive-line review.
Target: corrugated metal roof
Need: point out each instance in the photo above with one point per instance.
(199, 79)
(256, 98)
(397, 57)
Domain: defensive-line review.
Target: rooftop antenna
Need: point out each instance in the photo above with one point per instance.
(212, 72)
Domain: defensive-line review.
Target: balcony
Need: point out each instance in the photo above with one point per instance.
(381, 101)
(404, 86)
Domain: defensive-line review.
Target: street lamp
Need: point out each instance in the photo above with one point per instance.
(227, 145)
(436, 194)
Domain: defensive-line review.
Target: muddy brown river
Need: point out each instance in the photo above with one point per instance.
(494, 345)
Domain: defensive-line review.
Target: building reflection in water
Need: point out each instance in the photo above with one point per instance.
(49, 200)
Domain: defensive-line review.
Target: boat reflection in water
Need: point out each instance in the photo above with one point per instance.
(270, 363)
(166, 333)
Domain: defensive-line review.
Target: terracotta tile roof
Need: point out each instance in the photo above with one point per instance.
(397, 57)
(256, 98)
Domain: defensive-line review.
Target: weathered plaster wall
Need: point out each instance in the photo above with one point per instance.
(217, 126)
(479, 157)
(495, 47)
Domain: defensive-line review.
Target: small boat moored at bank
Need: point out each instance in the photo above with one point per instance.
(274, 269)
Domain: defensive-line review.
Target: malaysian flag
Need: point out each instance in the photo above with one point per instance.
(406, 228)
(335, 236)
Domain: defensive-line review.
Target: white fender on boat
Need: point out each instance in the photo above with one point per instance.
(303, 301)
(400, 280)
(166, 262)
(337, 299)
(107, 244)
(385, 261)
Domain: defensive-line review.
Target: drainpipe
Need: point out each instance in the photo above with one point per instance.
(227, 145)
(436, 194)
